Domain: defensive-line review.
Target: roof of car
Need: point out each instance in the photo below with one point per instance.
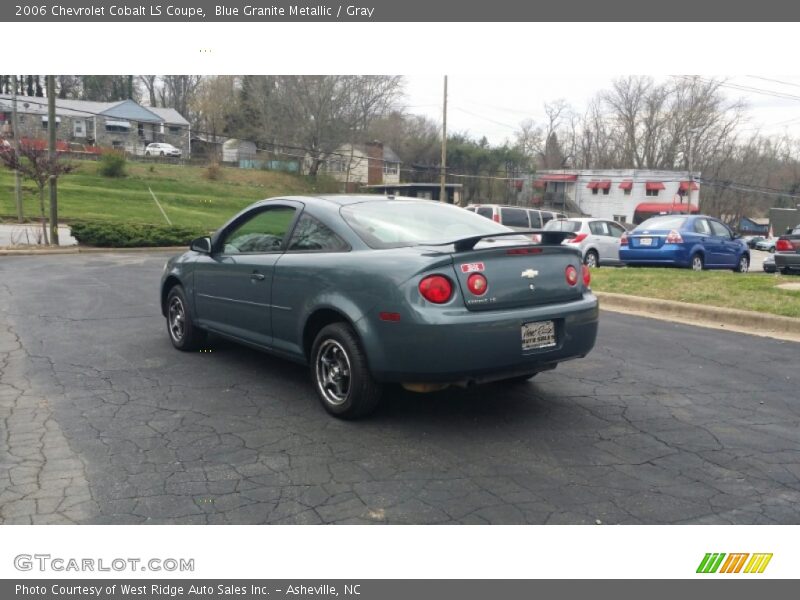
(345, 199)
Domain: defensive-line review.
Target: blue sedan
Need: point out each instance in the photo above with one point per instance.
(698, 242)
(368, 290)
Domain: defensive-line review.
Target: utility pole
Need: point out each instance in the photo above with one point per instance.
(443, 169)
(15, 128)
(51, 134)
(691, 177)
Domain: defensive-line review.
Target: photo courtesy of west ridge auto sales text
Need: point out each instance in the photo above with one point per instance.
(398, 300)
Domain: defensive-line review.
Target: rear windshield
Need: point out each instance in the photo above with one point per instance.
(397, 223)
(664, 222)
(561, 225)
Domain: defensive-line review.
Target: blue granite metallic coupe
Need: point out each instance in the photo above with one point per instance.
(369, 290)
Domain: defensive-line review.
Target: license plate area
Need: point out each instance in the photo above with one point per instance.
(645, 241)
(538, 334)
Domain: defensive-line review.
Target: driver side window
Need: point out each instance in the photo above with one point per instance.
(261, 233)
(720, 230)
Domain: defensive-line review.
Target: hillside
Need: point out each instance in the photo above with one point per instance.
(186, 193)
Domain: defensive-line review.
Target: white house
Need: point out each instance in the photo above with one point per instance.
(624, 195)
(357, 165)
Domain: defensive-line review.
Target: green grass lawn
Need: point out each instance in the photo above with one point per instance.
(754, 292)
(188, 197)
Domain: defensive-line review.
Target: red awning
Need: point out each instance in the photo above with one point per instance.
(626, 184)
(600, 185)
(558, 177)
(685, 186)
(539, 183)
(654, 185)
(664, 208)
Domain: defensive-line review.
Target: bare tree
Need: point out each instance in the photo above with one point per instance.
(34, 162)
(179, 91)
(215, 104)
(150, 83)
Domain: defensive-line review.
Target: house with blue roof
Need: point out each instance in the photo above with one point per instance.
(124, 124)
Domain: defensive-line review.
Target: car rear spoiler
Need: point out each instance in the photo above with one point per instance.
(548, 238)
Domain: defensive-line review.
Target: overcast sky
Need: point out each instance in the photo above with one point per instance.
(494, 106)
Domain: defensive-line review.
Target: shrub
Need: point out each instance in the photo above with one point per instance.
(213, 172)
(131, 235)
(112, 164)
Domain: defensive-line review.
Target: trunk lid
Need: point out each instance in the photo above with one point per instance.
(648, 239)
(518, 276)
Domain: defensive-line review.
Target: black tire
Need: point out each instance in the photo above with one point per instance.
(697, 263)
(743, 265)
(183, 333)
(147, 153)
(592, 259)
(340, 373)
(772, 250)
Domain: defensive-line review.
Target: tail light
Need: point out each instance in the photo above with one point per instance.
(587, 276)
(623, 241)
(783, 246)
(477, 284)
(536, 238)
(571, 273)
(436, 289)
(674, 237)
(578, 238)
(496, 217)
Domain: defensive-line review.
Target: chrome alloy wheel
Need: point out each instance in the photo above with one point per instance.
(697, 263)
(744, 264)
(177, 319)
(333, 372)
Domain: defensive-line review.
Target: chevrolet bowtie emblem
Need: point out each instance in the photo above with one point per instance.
(530, 273)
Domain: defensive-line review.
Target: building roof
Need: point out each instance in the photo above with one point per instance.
(390, 155)
(169, 115)
(121, 109)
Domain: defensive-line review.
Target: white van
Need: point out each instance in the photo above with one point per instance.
(516, 217)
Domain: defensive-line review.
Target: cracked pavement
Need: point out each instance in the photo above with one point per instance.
(102, 421)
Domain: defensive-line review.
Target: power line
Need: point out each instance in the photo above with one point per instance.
(775, 81)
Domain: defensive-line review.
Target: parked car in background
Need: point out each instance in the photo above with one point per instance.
(769, 264)
(368, 290)
(162, 149)
(787, 252)
(515, 217)
(696, 241)
(597, 239)
(766, 244)
(752, 240)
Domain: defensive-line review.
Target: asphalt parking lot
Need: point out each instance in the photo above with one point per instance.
(102, 421)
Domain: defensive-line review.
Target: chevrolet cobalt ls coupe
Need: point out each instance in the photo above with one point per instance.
(369, 290)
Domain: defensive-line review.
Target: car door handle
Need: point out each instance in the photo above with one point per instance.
(256, 276)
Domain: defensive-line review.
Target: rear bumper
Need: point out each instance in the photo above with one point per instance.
(666, 255)
(787, 261)
(463, 345)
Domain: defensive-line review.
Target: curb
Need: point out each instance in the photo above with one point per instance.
(89, 250)
(712, 316)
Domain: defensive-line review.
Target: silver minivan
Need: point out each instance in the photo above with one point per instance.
(597, 239)
(516, 217)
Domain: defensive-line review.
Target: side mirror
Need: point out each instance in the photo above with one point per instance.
(202, 245)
